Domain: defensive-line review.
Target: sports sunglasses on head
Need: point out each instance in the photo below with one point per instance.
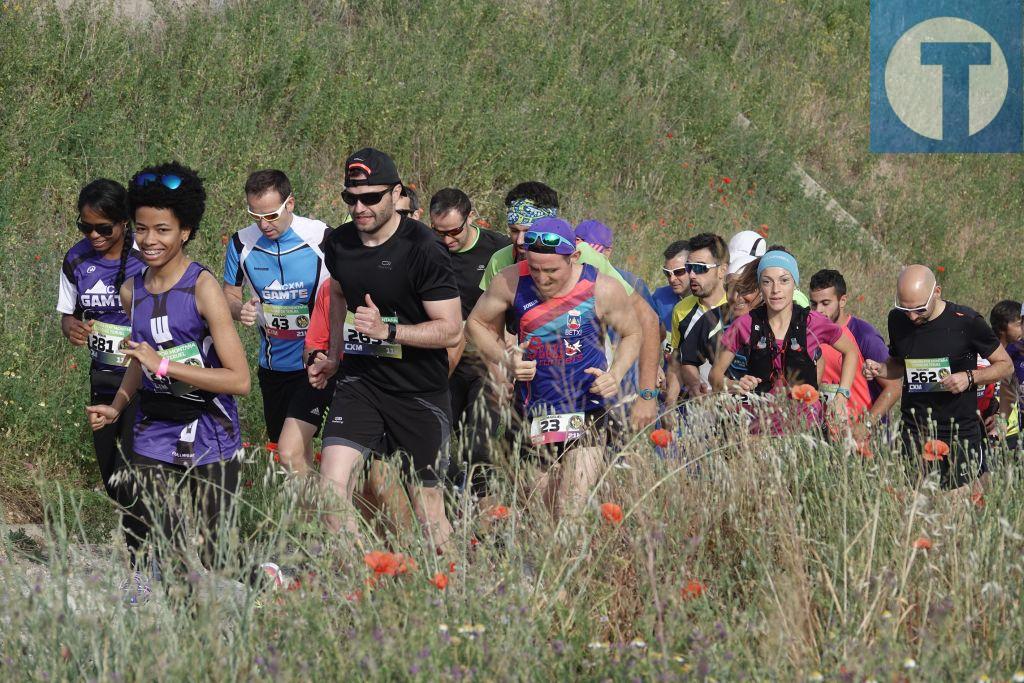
(168, 180)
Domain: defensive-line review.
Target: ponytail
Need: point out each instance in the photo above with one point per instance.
(129, 240)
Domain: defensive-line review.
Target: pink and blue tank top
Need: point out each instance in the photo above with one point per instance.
(565, 338)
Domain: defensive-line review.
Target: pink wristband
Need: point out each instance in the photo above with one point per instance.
(161, 371)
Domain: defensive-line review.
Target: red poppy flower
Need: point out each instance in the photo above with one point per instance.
(277, 457)
(272, 446)
(978, 499)
(318, 456)
(482, 223)
(692, 589)
(941, 269)
(726, 180)
(661, 437)
(934, 449)
(381, 562)
(74, 366)
(411, 186)
(249, 483)
(922, 543)
(661, 222)
(805, 393)
(38, 257)
(669, 136)
(498, 512)
(452, 567)
(611, 512)
(440, 581)
(246, 444)
(763, 231)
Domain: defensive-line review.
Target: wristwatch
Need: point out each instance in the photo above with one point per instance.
(648, 394)
(842, 391)
(392, 331)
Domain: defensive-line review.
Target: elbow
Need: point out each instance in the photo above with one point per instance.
(244, 385)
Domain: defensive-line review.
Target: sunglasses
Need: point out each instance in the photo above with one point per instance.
(700, 268)
(268, 217)
(169, 180)
(916, 310)
(548, 239)
(404, 212)
(675, 272)
(454, 231)
(366, 198)
(101, 229)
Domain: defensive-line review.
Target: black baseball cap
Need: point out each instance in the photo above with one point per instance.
(375, 166)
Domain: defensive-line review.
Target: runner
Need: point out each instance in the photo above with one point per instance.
(744, 247)
(934, 346)
(394, 310)
(829, 297)
(667, 296)
(563, 382)
(600, 237)
(91, 314)
(780, 343)
(408, 203)
(702, 345)
(1016, 353)
(475, 416)
(527, 203)
(186, 364)
(279, 259)
(708, 261)
(1005, 319)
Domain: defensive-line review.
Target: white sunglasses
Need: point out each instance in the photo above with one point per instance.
(268, 217)
(917, 310)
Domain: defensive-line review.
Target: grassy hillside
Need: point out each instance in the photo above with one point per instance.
(626, 108)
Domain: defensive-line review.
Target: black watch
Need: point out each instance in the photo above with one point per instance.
(311, 358)
(392, 331)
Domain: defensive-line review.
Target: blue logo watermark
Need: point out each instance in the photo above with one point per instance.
(946, 76)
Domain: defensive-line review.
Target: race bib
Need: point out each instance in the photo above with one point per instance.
(925, 374)
(556, 428)
(106, 342)
(286, 322)
(187, 354)
(361, 345)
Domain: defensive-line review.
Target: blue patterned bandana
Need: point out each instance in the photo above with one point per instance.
(525, 212)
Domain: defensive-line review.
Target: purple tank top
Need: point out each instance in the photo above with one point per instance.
(565, 339)
(170, 323)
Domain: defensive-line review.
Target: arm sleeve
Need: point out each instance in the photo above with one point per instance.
(67, 294)
(434, 278)
(983, 340)
(232, 267)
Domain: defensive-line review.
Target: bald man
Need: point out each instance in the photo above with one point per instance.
(934, 346)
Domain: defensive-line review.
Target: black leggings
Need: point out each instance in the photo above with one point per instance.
(113, 441)
(164, 496)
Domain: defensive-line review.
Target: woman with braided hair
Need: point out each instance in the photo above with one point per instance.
(89, 301)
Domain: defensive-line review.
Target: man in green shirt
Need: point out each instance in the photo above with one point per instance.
(527, 203)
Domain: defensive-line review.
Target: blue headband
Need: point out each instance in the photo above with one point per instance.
(779, 259)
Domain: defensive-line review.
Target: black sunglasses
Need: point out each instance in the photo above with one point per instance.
(101, 229)
(366, 198)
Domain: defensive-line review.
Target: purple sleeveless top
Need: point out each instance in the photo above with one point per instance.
(171, 324)
(565, 339)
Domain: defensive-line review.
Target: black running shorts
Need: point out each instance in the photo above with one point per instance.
(370, 420)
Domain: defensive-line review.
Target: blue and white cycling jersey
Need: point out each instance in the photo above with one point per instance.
(284, 274)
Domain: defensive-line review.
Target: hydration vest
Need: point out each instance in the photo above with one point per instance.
(798, 366)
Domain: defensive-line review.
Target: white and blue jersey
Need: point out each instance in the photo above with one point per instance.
(284, 274)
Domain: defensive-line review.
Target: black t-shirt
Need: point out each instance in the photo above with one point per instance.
(469, 266)
(703, 343)
(413, 266)
(950, 343)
